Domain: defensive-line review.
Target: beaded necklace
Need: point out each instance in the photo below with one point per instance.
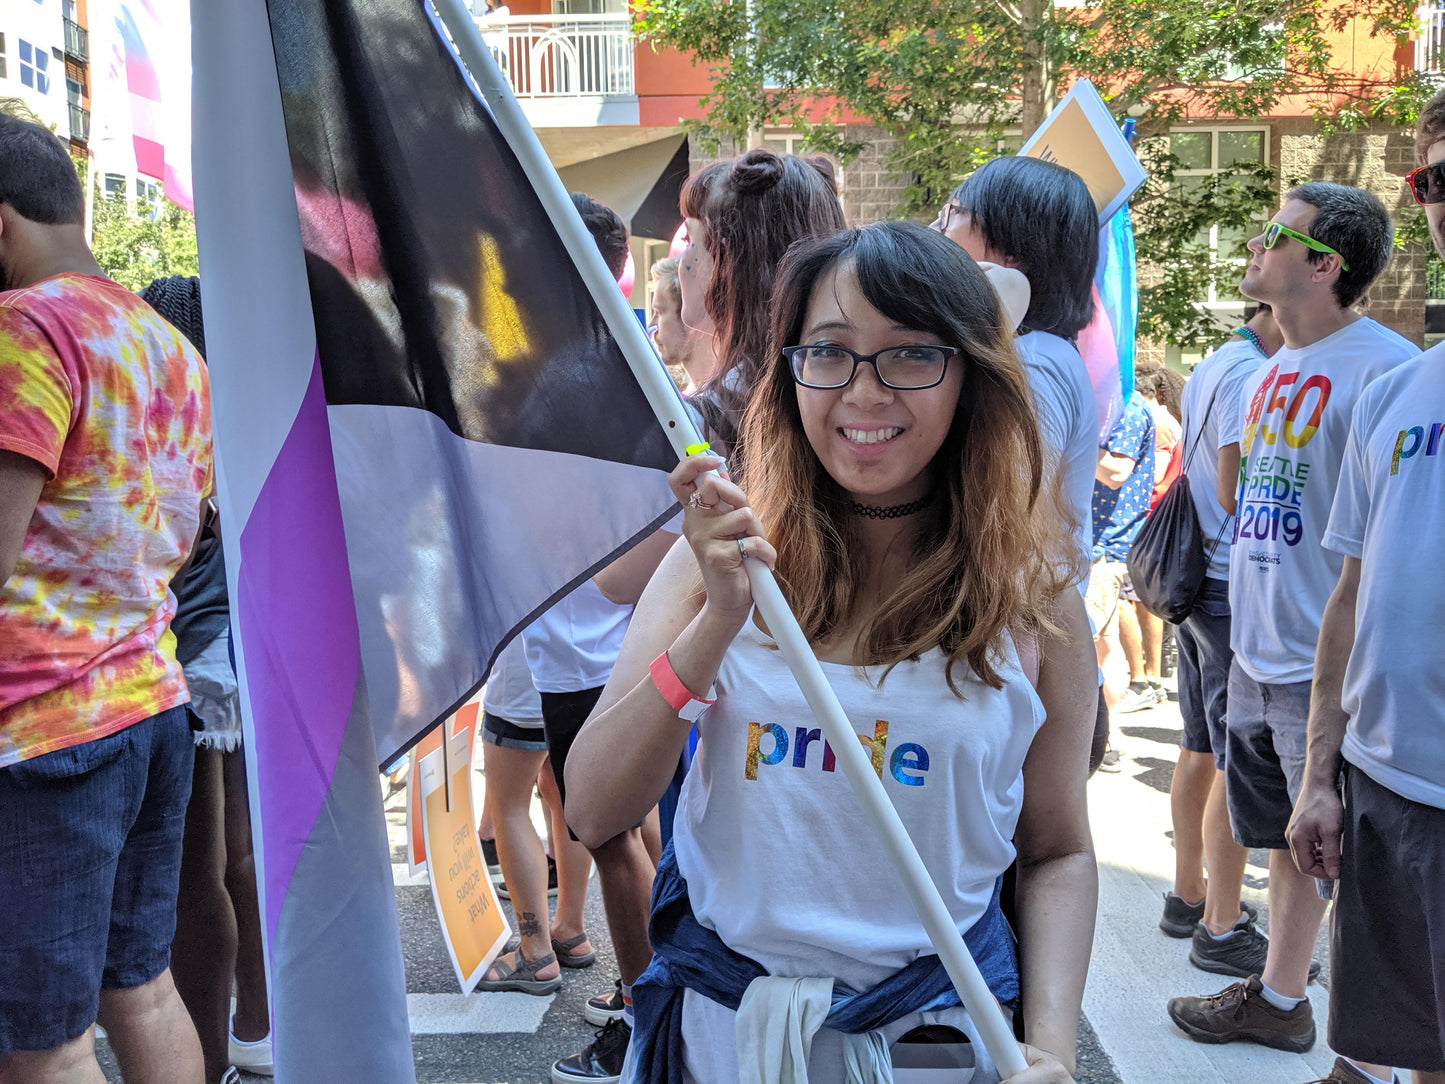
(1253, 336)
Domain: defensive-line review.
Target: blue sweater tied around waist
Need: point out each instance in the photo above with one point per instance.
(688, 956)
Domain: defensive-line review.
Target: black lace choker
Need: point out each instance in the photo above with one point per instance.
(895, 511)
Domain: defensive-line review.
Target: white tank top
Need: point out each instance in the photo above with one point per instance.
(778, 858)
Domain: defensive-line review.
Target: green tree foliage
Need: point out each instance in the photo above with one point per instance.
(150, 240)
(948, 79)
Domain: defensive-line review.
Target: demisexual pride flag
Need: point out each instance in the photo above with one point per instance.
(424, 434)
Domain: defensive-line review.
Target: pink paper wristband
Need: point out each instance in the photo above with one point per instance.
(677, 695)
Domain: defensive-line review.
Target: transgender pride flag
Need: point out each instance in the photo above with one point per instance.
(1107, 343)
(141, 68)
(424, 434)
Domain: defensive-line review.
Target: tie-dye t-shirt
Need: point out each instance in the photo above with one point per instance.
(113, 402)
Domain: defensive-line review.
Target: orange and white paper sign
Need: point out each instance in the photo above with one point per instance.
(466, 715)
(1081, 134)
(472, 922)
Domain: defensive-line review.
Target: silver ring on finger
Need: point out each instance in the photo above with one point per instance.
(743, 548)
(696, 501)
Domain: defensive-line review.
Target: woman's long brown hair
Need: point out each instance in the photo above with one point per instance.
(994, 549)
(753, 207)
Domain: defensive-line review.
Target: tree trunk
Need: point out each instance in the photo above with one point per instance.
(1037, 89)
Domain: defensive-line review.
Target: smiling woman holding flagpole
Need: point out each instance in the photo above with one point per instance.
(895, 470)
(879, 815)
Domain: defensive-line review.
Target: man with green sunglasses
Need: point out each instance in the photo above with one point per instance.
(1284, 438)
(1275, 230)
(1378, 711)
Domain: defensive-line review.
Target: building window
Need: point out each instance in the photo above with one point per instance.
(147, 195)
(783, 142)
(1203, 153)
(2, 56)
(114, 185)
(34, 65)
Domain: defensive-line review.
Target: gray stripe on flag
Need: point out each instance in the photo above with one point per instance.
(339, 986)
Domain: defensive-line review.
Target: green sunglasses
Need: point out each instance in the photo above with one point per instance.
(1272, 234)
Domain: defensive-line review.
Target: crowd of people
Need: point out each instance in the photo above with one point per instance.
(901, 427)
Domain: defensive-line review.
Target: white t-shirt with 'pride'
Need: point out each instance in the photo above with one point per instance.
(1390, 512)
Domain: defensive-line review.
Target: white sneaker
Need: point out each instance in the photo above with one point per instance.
(252, 1057)
(1138, 700)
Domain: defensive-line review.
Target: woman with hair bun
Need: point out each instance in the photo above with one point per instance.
(896, 484)
(742, 216)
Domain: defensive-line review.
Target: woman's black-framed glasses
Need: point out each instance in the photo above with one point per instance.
(1427, 184)
(902, 368)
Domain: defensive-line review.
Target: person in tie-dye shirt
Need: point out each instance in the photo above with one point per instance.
(105, 462)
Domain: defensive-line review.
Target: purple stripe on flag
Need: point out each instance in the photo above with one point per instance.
(298, 624)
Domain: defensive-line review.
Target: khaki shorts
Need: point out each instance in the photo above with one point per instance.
(1102, 598)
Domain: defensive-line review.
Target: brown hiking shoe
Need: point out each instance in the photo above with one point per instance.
(1240, 1013)
(1344, 1072)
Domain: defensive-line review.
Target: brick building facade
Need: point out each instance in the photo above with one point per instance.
(1375, 159)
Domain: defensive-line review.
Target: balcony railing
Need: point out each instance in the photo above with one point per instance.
(79, 123)
(77, 40)
(1430, 44)
(561, 56)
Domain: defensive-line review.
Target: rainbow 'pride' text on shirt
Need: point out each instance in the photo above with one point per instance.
(908, 764)
(1410, 441)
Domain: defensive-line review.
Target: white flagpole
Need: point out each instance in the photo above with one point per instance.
(662, 395)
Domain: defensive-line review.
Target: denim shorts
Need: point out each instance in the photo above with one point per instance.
(90, 859)
(1264, 756)
(1204, 661)
(510, 735)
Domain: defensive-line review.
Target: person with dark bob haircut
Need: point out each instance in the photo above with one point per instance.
(896, 483)
(1039, 218)
(37, 177)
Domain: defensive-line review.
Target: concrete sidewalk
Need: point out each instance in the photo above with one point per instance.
(1135, 967)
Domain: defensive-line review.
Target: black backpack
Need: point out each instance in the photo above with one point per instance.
(1168, 562)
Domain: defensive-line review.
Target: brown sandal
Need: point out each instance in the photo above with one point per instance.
(522, 978)
(567, 958)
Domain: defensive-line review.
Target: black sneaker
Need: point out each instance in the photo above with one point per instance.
(604, 1007)
(1241, 952)
(503, 893)
(601, 1060)
(1180, 918)
(489, 855)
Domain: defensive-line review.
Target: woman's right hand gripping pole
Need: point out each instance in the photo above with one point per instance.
(722, 531)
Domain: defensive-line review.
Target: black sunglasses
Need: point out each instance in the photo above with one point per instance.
(1427, 184)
